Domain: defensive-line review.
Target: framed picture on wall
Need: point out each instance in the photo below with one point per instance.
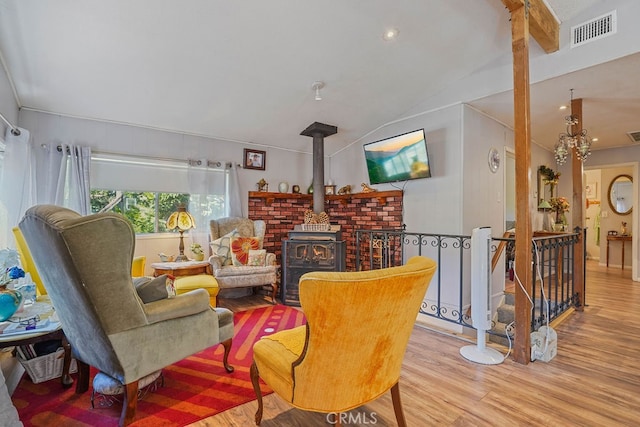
(254, 159)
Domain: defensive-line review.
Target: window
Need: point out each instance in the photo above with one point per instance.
(146, 210)
(147, 191)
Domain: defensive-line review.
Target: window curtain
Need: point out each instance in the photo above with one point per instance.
(207, 183)
(234, 207)
(67, 177)
(17, 182)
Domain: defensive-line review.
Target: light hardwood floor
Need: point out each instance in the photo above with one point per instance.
(593, 381)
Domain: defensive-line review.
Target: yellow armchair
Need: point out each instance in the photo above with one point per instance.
(27, 261)
(137, 266)
(350, 351)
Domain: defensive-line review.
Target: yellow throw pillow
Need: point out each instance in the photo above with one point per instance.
(240, 247)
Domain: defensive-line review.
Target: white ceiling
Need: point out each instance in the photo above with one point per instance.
(243, 70)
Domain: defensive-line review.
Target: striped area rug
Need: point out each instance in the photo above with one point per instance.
(194, 388)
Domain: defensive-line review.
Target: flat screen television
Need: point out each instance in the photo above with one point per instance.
(398, 158)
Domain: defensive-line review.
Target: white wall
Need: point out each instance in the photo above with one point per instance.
(8, 105)
(281, 165)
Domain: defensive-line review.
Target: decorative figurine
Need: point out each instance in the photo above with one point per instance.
(345, 190)
(262, 185)
(367, 189)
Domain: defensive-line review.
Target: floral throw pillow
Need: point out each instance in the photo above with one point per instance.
(257, 258)
(240, 247)
(222, 247)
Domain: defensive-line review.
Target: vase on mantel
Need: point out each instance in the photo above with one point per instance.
(283, 187)
(10, 300)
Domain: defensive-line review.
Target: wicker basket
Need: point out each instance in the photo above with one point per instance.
(315, 227)
(47, 367)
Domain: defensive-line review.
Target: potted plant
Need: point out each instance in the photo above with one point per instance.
(198, 253)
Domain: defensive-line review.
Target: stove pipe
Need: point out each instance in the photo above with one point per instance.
(318, 131)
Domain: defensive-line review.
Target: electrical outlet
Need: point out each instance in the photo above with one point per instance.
(604, 214)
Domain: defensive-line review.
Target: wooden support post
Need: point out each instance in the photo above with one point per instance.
(524, 233)
(545, 30)
(577, 209)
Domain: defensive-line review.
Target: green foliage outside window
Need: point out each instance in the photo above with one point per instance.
(146, 210)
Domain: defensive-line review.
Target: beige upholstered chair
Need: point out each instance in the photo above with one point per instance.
(228, 275)
(350, 352)
(85, 264)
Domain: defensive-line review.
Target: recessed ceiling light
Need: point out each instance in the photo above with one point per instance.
(563, 107)
(390, 34)
(594, 139)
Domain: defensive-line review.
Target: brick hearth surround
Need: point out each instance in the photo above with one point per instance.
(369, 211)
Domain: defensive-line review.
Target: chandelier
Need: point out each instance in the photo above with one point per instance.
(567, 141)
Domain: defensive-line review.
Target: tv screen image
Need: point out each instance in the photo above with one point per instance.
(398, 158)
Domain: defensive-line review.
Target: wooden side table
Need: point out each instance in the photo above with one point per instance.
(621, 239)
(186, 268)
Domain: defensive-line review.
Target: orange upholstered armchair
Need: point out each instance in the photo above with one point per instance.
(350, 351)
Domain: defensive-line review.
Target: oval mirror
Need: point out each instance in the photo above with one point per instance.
(620, 194)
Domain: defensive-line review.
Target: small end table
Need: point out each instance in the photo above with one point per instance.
(618, 238)
(32, 338)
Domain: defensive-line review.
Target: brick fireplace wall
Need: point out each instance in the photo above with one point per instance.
(371, 211)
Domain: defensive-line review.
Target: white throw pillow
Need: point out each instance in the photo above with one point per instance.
(222, 247)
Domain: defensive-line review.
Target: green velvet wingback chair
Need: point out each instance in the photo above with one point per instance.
(350, 351)
(85, 264)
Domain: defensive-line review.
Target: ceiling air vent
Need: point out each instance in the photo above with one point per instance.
(595, 29)
(635, 136)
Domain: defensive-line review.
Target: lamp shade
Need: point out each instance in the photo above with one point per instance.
(181, 220)
(544, 205)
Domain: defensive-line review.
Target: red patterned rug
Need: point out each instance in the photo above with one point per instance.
(194, 388)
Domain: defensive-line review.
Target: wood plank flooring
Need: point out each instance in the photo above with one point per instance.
(593, 381)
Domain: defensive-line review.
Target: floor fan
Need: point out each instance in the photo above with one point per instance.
(480, 299)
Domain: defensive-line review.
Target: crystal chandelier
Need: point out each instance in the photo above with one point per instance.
(567, 141)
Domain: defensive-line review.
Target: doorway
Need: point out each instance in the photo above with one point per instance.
(600, 219)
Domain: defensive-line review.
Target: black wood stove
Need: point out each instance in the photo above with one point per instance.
(304, 251)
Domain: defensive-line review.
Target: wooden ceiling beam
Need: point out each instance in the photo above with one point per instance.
(543, 26)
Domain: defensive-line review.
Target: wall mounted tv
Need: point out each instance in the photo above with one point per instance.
(398, 158)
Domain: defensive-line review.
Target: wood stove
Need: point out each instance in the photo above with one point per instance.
(306, 251)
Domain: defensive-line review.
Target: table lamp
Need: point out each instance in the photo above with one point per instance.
(182, 221)
(544, 205)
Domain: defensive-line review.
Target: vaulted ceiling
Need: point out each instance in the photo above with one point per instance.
(243, 71)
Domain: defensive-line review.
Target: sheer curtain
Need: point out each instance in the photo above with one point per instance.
(207, 182)
(234, 207)
(17, 182)
(67, 177)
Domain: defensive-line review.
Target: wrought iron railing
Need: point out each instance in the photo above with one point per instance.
(448, 299)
